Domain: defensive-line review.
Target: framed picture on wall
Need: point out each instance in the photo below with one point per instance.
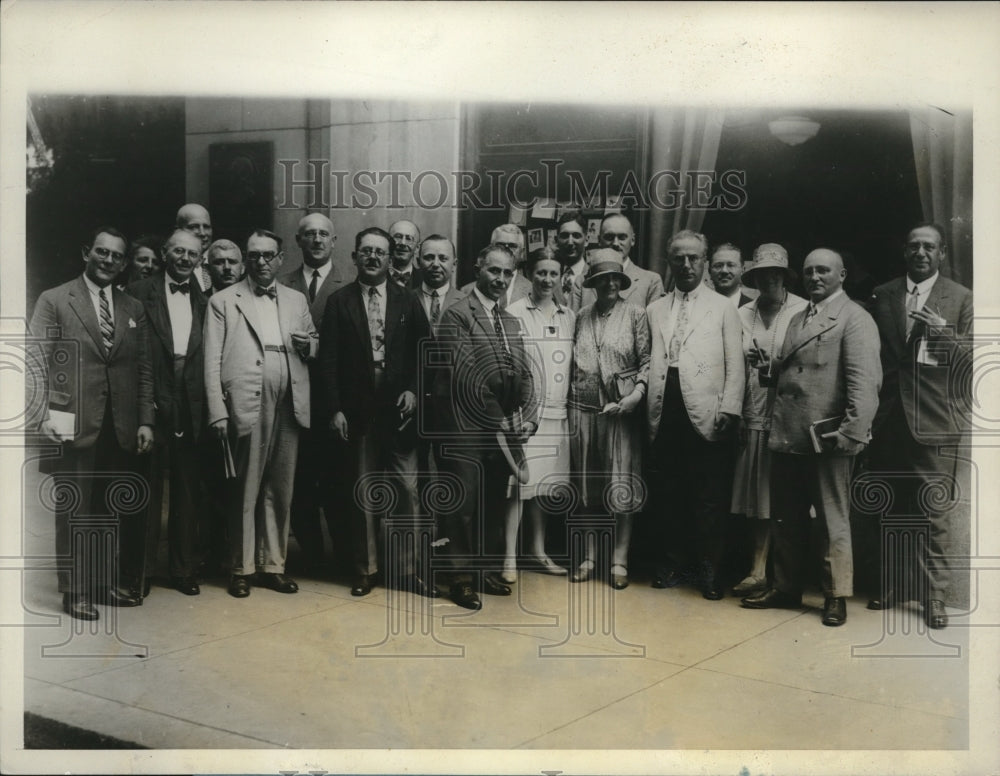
(240, 188)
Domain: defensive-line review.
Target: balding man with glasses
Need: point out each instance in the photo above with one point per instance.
(258, 337)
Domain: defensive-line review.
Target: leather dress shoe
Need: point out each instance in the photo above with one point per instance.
(834, 611)
(935, 615)
(277, 582)
(749, 586)
(711, 590)
(772, 599)
(663, 578)
(239, 585)
(79, 607)
(362, 585)
(494, 585)
(114, 596)
(133, 588)
(411, 583)
(463, 595)
(583, 572)
(619, 581)
(187, 585)
(887, 601)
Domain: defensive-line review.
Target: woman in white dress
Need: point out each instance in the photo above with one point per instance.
(547, 330)
(765, 323)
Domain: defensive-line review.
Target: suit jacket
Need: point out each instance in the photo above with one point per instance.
(450, 298)
(153, 295)
(826, 369)
(931, 398)
(478, 392)
(345, 354)
(82, 384)
(710, 362)
(234, 354)
(646, 288)
(334, 280)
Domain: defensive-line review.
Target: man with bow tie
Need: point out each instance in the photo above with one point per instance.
(924, 321)
(317, 279)
(258, 339)
(175, 307)
(403, 268)
(194, 218)
(828, 370)
(368, 359)
(104, 389)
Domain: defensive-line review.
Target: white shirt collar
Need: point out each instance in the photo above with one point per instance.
(442, 292)
(923, 287)
(580, 268)
(627, 264)
(307, 273)
(821, 306)
(692, 294)
(484, 300)
(381, 289)
(96, 289)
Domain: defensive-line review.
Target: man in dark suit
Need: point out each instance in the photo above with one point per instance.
(726, 273)
(486, 407)
(368, 359)
(110, 413)
(924, 322)
(571, 247)
(404, 270)
(828, 369)
(511, 237)
(175, 308)
(194, 218)
(436, 262)
(317, 279)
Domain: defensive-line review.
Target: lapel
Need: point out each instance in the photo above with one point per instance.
(636, 277)
(897, 308)
(79, 301)
(666, 328)
(699, 309)
(159, 317)
(198, 303)
(357, 312)
(936, 300)
(393, 311)
(485, 321)
(245, 304)
(295, 280)
(798, 336)
(121, 318)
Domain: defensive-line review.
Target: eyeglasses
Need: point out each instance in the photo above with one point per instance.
(267, 256)
(513, 247)
(368, 252)
(105, 252)
(312, 234)
(407, 238)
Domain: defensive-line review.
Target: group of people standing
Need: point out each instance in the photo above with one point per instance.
(260, 404)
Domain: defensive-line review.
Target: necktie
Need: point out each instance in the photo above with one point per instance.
(435, 306)
(567, 282)
(107, 327)
(182, 287)
(810, 314)
(206, 279)
(400, 278)
(312, 286)
(680, 328)
(911, 306)
(498, 328)
(270, 291)
(375, 325)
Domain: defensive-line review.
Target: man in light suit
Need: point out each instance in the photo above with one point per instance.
(194, 218)
(488, 390)
(828, 369)
(368, 357)
(224, 261)
(317, 279)
(258, 337)
(695, 398)
(175, 307)
(646, 286)
(924, 321)
(510, 237)
(110, 396)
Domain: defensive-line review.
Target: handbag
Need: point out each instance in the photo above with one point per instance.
(624, 382)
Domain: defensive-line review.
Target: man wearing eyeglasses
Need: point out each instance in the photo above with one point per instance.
(94, 381)
(646, 286)
(175, 307)
(403, 269)
(369, 347)
(317, 279)
(194, 218)
(511, 237)
(258, 339)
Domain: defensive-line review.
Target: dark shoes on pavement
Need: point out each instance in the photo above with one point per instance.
(772, 599)
(277, 582)
(79, 607)
(186, 585)
(935, 615)
(363, 585)
(835, 611)
(494, 585)
(463, 595)
(239, 585)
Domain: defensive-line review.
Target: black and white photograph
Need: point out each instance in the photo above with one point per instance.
(552, 388)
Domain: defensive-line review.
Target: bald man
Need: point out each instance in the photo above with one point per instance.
(403, 269)
(829, 369)
(194, 218)
(317, 278)
(645, 287)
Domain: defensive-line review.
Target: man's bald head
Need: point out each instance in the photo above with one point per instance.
(194, 218)
(406, 238)
(823, 273)
(315, 237)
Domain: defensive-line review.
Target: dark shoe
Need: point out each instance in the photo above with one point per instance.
(78, 607)
(133, 588)
(411, 583)
(362, 585)
(493, 585)
(583, 572)
(834, 612)
(935, 615)
(239, 585)
(619, 581)
(749, 586)
(772, 599)
(663, 578)
(463, 595)
(187, 585)
(114, 596)
(277, 582)
(887, 601)
(711, 590)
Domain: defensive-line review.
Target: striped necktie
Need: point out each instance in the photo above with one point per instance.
(107, 327)
(912, 300)
(435, 306)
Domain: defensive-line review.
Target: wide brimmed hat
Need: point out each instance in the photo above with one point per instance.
(605, 261)
(768, 256)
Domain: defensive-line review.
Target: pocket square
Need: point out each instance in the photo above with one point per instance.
(131, 323)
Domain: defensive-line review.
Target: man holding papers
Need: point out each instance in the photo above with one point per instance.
(828, 368)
